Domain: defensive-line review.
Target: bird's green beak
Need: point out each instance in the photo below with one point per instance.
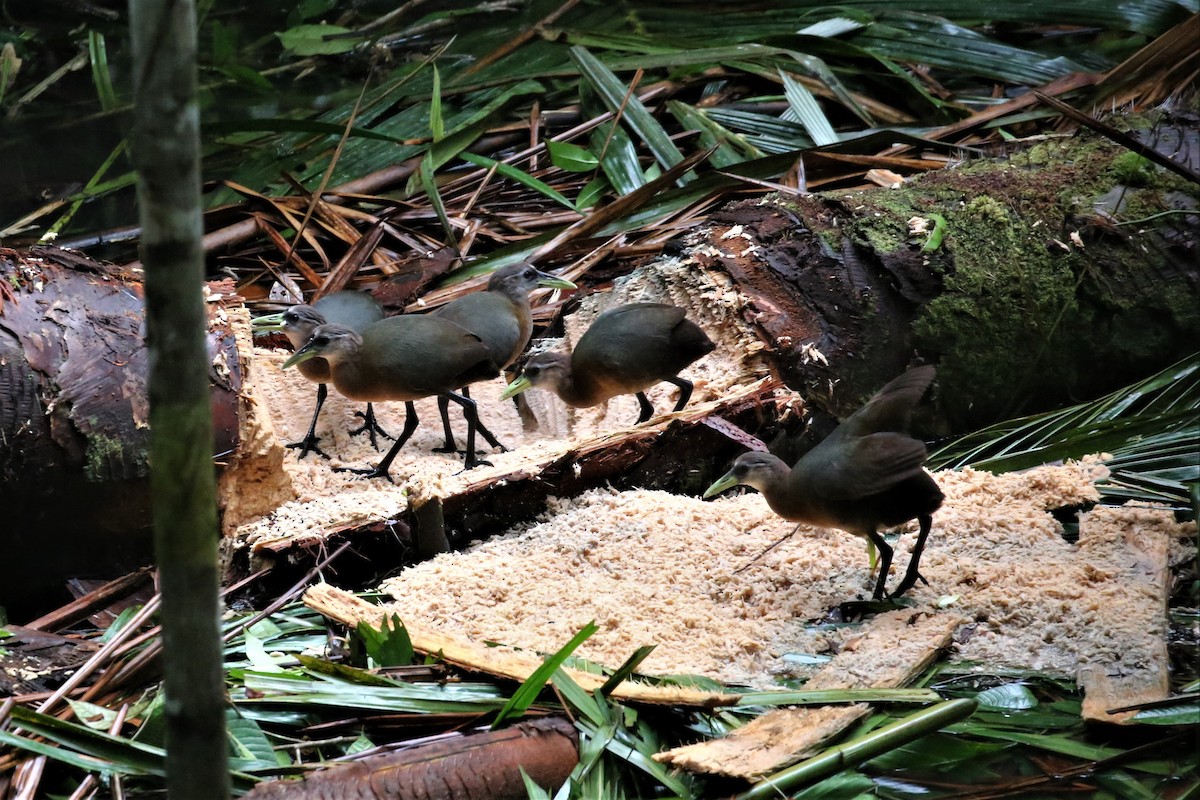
(301, 355)
(554, 282)
(516, 387)
(726, 481)
(270, 322)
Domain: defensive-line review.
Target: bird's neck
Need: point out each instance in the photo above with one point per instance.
(353, 380)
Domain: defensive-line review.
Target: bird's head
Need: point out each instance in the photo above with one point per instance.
(755, 468)
(548, 370)
(334, 343)
(518, 280)
(297, 323)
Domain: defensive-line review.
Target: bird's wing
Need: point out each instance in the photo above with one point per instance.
(862, 466)
(891, 407)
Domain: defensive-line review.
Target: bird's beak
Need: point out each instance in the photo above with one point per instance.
(554, 282)
(270, 322)
(301, 355)
(516, 387)
(726, 481)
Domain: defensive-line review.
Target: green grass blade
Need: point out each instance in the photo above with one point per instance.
(101, 77)
(804, 106)
(520, 176)
(529, 690)
(616, 95)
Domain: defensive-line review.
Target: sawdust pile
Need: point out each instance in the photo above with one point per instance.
(655, 568)
(325, 500)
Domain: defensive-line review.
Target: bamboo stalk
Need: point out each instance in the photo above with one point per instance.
(852, 753)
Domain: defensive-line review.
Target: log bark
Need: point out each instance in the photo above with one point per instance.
(481, 766)
(1035, 298)
(74, 417)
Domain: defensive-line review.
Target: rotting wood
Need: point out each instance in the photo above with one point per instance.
(501, 662)
(93, 601)
(893, 650)
(1137, 539)
(74, 436)
(479, 766)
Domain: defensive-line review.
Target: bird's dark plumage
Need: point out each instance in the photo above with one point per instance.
(865, 475)
(625, 351)
(355, 310)
(403, 358)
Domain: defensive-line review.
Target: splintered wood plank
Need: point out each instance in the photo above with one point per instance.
(1125, 662)
(894, 649)
(501, 662)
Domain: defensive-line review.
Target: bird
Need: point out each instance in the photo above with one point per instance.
(403, 358)
(356, 310)
(866, 474)
(501, 317)
(625, 351)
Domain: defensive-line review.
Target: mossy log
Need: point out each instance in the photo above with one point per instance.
(74, 417)
(1046, 278)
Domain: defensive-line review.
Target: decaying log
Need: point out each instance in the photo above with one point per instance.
(480, 766)
(74, 435)
(1030, 297)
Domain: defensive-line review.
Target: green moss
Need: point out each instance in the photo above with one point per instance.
(101, 454)
(1133, 170)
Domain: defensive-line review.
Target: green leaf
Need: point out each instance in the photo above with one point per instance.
(520, 176)
(250, 747)
(310, 40)
(437, 125)
(528, 691)
(1185, 713)
(807, 112)
(387, 646)
(591, 193)
(617, 99)
(1009, 697)
(571, 157)
(95, 717)
(101, 77)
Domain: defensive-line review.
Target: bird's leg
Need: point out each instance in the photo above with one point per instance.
(885, 562)
(450, 447)
(774, 544)
(911, 575)
(469, 411)
(444, 410)
(647, 410)
(685, 391)
(309, 443)
(369, 426)
(381, 469)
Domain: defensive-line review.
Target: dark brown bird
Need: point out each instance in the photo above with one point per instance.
(625, 351)
(501, 317)
(403, 358)
(355, 310)
(866, 474)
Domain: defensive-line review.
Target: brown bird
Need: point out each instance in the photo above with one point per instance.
(403, 358)
(625, 351)
(866, 474)
(501, 317)
(355, 310)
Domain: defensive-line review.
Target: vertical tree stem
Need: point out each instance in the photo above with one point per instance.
(166, 151)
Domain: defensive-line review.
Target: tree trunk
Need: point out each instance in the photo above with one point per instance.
(166, 148)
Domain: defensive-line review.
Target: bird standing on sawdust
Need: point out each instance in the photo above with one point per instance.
(356, 310)
(865, 475)
(626, 350)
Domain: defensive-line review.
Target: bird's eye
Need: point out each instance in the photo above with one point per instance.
(532, 372)
(321, 341)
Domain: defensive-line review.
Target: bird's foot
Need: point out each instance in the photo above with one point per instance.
(857, 609)
(370, 427)
(307, 445)
(907, 583)
(374, 472)
(472, 463)
(447, 448)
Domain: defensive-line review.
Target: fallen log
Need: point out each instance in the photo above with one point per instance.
(479, 766)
